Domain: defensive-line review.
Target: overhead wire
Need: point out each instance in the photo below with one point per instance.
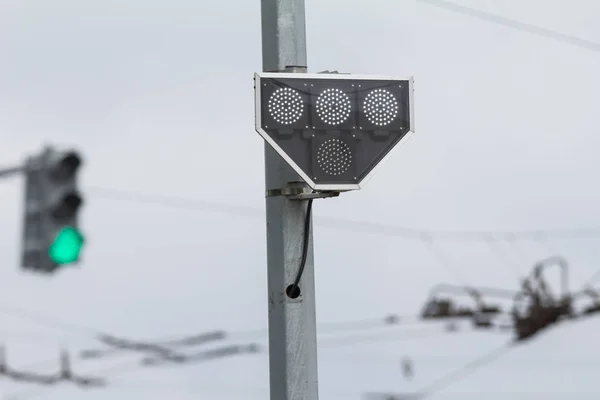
(42, 319)
(512, 23)
(518, 249)
(464, 371)
(127, 367)
(387, 336)
(388, 322)
(334, 342)
(431, 238)
(118, 368)
(495, 248)
(339, 223)
(545, 245)
(411, 335)
(445, 261)
(425, 236)
(48, 321)
(436, 360)
(592, 279)
(461, 373)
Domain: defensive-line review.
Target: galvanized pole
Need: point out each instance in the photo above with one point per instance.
(292, 322)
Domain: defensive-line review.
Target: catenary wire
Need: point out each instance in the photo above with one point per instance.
(426, 237)
(393, 320)
(343, 341)
(461, 373)
(48, 321)
(389, 321)
(368, 324)
(261, 393)
(428, 390)
(592, 279)
(340, 223)
(545, 245)
(129, 366)
(437, 360)
(511, 23)
(444, 260)
(517, 249)
(495, 248)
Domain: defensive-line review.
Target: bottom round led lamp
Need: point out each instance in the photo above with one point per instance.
(67, 246)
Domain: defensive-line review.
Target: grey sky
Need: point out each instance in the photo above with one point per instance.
(158, 97)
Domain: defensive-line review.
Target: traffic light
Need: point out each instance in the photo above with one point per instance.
(333, 129)
(51, 235)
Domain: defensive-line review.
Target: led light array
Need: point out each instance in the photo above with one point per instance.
(333, 106)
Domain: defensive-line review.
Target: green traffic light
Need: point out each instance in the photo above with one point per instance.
(67, 246)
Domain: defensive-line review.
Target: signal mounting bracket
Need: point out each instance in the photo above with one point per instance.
(299, 191)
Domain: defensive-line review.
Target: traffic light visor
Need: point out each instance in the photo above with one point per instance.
(67, 165)
(66, 246)
(68, 205)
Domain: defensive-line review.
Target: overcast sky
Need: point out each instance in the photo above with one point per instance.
(158, 97)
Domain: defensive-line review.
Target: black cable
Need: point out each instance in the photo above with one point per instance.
(293, 290)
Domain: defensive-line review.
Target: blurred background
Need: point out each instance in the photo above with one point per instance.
(157, 97)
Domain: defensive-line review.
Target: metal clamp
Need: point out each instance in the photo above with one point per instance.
(300, 193)
(333, 72)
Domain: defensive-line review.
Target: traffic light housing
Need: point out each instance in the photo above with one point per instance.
(333, 129)
(51, 234)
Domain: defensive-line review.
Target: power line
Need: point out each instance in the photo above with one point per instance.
(206, 355)
(344, 224)
(472, 366)
(445, 261)
(353, 326)
(511, 23)
(51, 322)
(497, 250)
(463, 372)
(592, 279)
(122, 367)
(545, 245)
(390, 336)
(435, 360)
(427, 237)
(108, 339)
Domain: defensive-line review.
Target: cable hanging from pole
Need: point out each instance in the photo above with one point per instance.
(293, 291)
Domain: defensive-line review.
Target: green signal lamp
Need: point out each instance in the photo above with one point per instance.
(67, 246)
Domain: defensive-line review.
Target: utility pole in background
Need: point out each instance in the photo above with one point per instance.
(292, 322)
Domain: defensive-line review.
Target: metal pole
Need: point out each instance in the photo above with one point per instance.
(11, 171)
(292, 322)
